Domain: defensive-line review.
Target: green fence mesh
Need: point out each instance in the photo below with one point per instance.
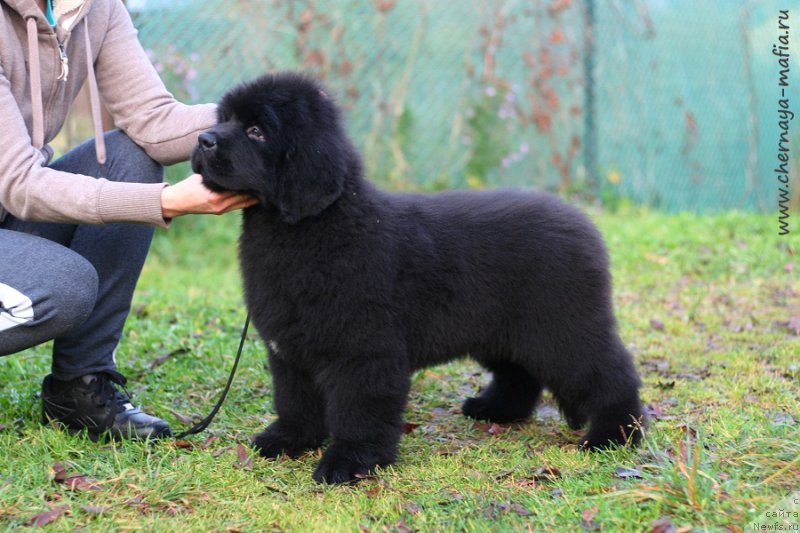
(671, 103)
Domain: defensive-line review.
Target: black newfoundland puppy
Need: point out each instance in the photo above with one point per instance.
(353, 288)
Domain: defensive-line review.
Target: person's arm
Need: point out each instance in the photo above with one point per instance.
(137, 98)
(31, 191)
(142, 107)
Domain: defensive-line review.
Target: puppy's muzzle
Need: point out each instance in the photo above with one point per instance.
(207, 141)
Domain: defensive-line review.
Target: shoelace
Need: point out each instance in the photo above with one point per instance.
(104, 392)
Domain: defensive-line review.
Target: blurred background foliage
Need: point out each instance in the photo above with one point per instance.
(667, 103)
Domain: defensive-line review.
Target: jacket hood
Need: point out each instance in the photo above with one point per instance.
(26, 8)
(66, 12)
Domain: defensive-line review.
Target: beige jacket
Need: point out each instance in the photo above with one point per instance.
(128, 85)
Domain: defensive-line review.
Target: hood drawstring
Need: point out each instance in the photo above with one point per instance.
(37, 108)
(94, 97)
(36, 83)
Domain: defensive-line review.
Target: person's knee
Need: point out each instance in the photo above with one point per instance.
(130, 159)
(61, 299)
(73, 293)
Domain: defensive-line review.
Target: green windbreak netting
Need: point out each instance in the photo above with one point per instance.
(672, 103)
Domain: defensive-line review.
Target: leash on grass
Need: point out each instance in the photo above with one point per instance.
(203, 424)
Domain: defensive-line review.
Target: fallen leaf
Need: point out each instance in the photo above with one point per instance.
(588, 521)
(182, 418)
(690, 432)
(185, 444)
(220, 451)
(493, 508)
(481, 426)
(627, 473)
(412, 508)
(243, 458)
(410, 426)
(503, 475)
(81, 482)
(42, 519)
(496, 429)
(450, 496)
(656, 365)
(136, 500)
(241, 453)
(401, 527)
(782, 418)
(662, 525)
(656, 324)
(546, 473)
(496, 508)
(520, 510)
(60, 473)
(372, 490)
(211, 439)
(158, 361)
(793, 325)
(654, 410)
(95, 509)
(490, 428)
(75, 482)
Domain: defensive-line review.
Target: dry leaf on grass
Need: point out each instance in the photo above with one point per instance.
(42, 519)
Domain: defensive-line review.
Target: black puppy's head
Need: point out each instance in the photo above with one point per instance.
(279, 139)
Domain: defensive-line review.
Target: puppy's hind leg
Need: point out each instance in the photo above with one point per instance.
(512, 394)
(608, 396)
(365, 398)
(301, 421)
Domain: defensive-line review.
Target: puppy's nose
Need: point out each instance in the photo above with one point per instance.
(207, 140)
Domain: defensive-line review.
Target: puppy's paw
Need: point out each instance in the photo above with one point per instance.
(280, 438)
(493, 410)
(608, 437)
(625, 428)
(341, 464)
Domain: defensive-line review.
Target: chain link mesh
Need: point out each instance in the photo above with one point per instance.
(667, 103)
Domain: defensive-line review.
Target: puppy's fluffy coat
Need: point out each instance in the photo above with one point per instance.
(354, 288)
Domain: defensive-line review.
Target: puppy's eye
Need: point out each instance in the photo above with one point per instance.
(255, 133)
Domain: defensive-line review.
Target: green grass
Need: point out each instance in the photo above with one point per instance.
(709, 306)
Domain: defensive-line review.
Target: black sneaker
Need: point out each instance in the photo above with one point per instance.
(92, 402)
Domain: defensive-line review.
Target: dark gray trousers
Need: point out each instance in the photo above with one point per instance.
(75, 283)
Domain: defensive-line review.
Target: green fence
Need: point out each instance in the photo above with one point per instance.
(671, 103)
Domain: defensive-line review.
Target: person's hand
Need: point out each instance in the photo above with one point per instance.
(190, 196)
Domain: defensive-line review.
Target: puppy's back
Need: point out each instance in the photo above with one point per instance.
(477, 262)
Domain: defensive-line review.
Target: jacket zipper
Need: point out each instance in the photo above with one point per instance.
(64, 63)
(62, 77)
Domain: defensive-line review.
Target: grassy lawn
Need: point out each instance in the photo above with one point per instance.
(709, 306)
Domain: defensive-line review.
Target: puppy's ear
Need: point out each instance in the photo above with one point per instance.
(311, 177)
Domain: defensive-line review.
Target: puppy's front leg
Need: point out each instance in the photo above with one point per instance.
(364, 402)
(298, 402)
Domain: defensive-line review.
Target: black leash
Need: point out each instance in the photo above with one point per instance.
(203, 424)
